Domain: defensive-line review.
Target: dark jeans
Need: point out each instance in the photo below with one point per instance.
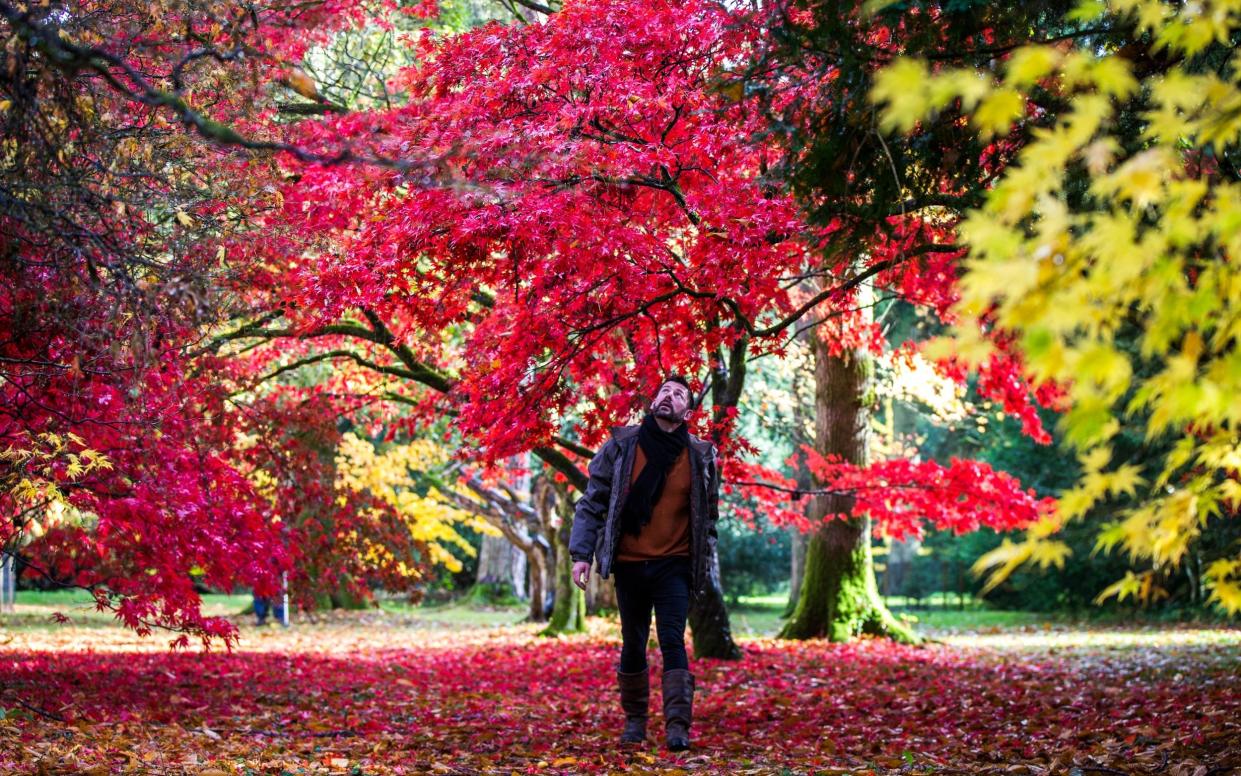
(662, 583)
(263, 605)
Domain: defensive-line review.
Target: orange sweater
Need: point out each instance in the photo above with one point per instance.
(668, 531)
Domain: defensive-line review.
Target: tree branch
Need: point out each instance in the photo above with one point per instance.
(335, 354)
(826, 294)
(44, 36)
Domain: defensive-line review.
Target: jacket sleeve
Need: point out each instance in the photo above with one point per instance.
(592, 508)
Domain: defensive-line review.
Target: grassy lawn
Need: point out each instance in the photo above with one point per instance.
(758, 616)
(35, 608)
(751, 617)
(455, 614)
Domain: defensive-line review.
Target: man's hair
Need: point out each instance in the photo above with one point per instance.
(680, 381)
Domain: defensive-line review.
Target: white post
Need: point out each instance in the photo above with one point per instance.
(8, 583)
(284, 591)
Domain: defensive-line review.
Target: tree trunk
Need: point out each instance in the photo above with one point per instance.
(525, 521)
(600, 595)
(501, 569)
(708, 621)
(537, 564)
(708, 618)
(839, 597)
(797, 571)
(569, 609)
(802, 434)
(901, 557)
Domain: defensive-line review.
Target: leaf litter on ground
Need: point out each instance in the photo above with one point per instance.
(378, 694)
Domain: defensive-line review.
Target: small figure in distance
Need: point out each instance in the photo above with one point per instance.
(263, 605)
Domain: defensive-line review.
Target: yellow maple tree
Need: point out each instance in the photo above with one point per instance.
(34, 479)
(390, 476)
(1153, 243)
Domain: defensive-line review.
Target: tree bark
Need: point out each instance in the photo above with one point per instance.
(797, 571)
(569, 609)
(802, 434)
(708, 622)
(501, 568)
(537, 563)
(708, 617)
(525, 525)
(901, 556)
(839, 597)
(600, 595)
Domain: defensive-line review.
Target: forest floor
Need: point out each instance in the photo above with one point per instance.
(452, 691)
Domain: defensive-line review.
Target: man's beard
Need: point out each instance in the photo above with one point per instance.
(666, 412)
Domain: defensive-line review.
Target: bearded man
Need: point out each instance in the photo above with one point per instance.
(649, 515)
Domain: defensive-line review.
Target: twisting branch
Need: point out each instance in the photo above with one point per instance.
(575, 448)
(828, 293)
(534, 6)
(797, 493)
(412, 369)
(44, 36)
(331, 355)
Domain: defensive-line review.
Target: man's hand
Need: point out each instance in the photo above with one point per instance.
(581, 573)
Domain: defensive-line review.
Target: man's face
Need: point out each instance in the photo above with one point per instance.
(672, 402)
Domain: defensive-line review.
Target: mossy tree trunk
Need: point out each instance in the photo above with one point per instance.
(569, 609)
(838, 596)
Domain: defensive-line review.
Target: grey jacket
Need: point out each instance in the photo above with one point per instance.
(596, 520)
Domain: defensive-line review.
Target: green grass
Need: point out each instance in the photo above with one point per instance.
(455, 614)
(79, 600)
(751, 616)
(760, 616)
(35, 608)
(974, 619)
(775, 600)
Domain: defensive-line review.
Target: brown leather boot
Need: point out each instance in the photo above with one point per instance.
(678, 686)
(635, 696)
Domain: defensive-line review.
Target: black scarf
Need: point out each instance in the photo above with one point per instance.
(662, 448)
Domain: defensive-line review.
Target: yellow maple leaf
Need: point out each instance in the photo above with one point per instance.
(1030, 63)
(902, 86)
(997, 111)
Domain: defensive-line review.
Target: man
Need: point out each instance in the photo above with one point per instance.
(649, 514)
